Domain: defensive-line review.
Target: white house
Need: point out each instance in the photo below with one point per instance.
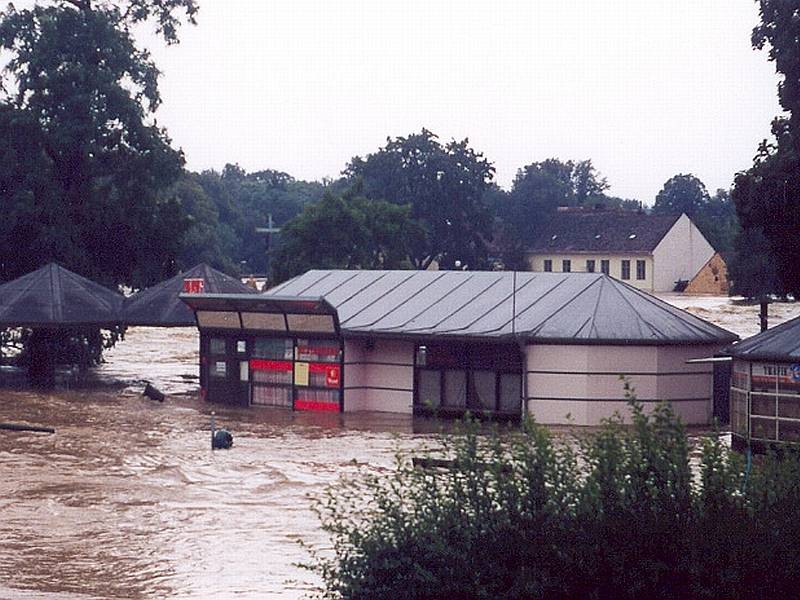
(651, 252)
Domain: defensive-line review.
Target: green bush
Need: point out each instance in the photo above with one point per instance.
(624, 512)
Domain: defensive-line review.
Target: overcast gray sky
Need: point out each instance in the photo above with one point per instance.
(645, 88)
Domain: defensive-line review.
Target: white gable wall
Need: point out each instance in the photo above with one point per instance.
(680, 254)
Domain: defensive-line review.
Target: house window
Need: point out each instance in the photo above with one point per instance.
(548, 265)
(641, 272)
(626, 269)
(566, 266)
(605, 267)
(590, 266)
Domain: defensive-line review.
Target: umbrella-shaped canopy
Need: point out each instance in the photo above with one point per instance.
(53, 297)
(159, 305)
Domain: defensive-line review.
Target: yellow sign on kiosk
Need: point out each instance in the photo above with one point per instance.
(301, 373)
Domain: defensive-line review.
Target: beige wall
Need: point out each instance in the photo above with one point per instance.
(680, 255)
(536, 262)
(378, 376)
(581, 384)
(711, 279)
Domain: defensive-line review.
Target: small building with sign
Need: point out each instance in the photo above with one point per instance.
(553, 345)
(765, 387)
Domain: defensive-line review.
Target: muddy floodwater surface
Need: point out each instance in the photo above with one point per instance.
(127, 500)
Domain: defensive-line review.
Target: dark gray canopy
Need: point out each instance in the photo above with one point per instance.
(781, 343)
(159, 305)
(571, 308)
(56, 297)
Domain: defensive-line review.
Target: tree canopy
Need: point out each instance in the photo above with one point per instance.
(767, 196)
(681, 194)
(346, 232)
(79, 93)
(444, 185)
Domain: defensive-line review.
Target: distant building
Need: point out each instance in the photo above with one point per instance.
(651, 252)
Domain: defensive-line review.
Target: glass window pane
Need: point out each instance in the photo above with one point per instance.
(264, 321)
(215, 318)
(272, 396)
(318, 350)
(762, 405)
(789, 431)
(216, 346)
(321, 323)
(276, 348)
(485, 390)
(218, 368)
(605, 266)
(626, 269)
(455, 389)
(430, 388)
(590, 266)
(763, 429)
(739, 414)
(640, 270)
(510, 392)
(789, 407)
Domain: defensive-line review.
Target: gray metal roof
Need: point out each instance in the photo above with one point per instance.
(53, 296)
(159, 305)
(781, 343)
(580, 308)
(602, 231)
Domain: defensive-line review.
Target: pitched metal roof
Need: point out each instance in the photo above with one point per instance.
(53, 296)
(781, 343)
(159, 305)
(602, 231)
(581, 308)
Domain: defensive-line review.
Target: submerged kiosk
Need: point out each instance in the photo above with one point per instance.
(497, 343)
(765, 387)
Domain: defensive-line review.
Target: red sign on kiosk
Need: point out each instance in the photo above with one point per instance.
(193, 285)
(332, 377)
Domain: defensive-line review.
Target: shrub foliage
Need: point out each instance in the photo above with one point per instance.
(629, 511)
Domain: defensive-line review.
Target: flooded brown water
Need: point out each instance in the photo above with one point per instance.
(126, 499)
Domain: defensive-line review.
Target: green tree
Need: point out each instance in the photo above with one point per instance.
(779, 30)
(77, 80)
(84, 164)
(681, 194)
(346, 232)
(205, 239)
(541, 187)
(444, 185)
(244, 202)
(752, 271)
(718, 221)
(766, 198)
(624, 512)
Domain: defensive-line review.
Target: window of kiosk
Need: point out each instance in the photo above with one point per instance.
(317, 375)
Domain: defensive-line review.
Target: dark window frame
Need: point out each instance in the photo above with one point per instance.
(625, 270)
(641, 270)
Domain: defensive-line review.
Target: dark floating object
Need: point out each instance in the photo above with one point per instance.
(222, 440)
(153, 393)
(21, 427)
